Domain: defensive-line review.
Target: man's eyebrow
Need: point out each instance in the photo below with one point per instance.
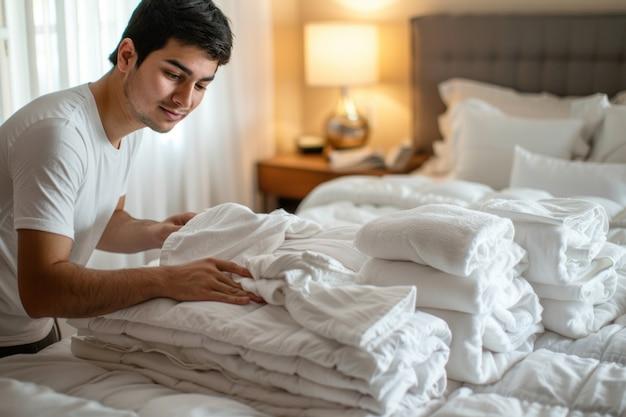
(187, 70)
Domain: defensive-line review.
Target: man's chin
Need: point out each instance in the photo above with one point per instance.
(159, 127)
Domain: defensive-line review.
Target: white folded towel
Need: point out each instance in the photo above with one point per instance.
(576, 319)
(596, 286)
(562, 236)
(469, 360)
(322, 295)
(438, 289)
(453, 239)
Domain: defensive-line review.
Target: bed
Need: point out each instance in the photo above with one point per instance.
(496, 364)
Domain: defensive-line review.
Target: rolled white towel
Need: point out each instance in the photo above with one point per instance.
(562, 236)
(596, 286)
(438, 289)
(576, 319)
(453, 239)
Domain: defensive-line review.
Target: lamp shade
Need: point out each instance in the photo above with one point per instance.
(339, 54)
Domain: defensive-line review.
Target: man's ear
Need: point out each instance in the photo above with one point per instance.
(126, 55)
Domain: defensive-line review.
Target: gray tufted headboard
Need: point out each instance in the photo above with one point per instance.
(560, 54)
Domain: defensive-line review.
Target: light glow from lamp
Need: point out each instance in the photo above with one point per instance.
(366, 6)
(341, 54)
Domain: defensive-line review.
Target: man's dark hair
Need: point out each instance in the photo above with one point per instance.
(191, 22)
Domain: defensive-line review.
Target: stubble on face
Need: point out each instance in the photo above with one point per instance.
(135, 112)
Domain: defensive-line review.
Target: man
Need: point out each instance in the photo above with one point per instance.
(64, 162)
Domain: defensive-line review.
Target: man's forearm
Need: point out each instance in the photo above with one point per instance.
(125, 234)
(71, 291)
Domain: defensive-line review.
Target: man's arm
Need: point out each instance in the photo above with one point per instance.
(125, 234)
(51, 286)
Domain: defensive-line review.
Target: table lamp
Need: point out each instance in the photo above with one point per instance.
(342, 55)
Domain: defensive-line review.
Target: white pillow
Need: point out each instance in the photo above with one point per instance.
(487, 140)
(535, 105)
(569, 178)
(609, 145)
(590, 109)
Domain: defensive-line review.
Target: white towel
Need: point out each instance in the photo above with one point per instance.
(576, 319)
(469, 360)
(224, 232)
(562, 236)
(438, 289)
(321, 295)
(453, 239)
(596, 286)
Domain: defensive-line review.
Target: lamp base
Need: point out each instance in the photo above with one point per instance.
(346, 128)
(345, 133)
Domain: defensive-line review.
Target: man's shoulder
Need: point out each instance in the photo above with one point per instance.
(67, 109)
(60, 104)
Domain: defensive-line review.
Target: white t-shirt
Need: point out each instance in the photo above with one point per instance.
(58, 173)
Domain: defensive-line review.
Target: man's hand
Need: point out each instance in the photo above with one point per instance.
(209, 280)
(161, 230)
(52, 286)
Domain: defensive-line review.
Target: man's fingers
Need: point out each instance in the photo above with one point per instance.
(229, 289)
(228, 281)
(227, 266)
(185, 217)
(231, 299)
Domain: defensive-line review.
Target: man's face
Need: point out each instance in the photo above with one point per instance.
(168, 85)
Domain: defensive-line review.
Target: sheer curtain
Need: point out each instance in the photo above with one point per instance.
(208, 158)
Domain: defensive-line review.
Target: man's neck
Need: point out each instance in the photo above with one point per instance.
(112, 106)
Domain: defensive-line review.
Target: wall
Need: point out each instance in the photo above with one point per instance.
(300, 109)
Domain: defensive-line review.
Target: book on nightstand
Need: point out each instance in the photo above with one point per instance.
(396, 159)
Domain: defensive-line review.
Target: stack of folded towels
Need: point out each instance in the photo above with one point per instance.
(467, 270)
(322, 343)
(570, 265)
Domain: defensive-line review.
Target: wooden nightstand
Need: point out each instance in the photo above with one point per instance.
(285, 180)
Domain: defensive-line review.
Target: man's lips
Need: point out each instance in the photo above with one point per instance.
(171, 114)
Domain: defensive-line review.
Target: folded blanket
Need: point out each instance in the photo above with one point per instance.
(272, 401)
(438, 289)
(562, 236)
(453, 239)
(412, 358)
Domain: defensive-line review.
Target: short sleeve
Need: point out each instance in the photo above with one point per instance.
(47, 168)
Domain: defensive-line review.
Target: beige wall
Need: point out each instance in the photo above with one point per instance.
(300, 109)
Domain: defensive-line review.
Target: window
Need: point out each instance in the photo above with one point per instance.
(5, 76)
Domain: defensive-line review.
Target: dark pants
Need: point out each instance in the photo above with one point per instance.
(53, 337)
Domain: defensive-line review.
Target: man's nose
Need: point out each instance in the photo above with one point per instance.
(183, 95)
